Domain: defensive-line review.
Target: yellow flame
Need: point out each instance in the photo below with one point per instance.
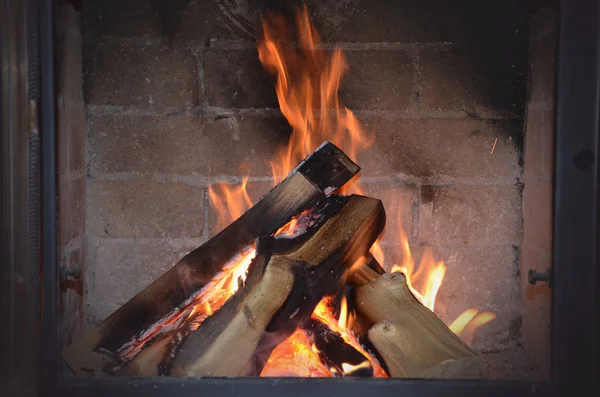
(324, 313)
(349, 368)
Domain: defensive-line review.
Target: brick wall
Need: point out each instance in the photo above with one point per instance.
(176, 100)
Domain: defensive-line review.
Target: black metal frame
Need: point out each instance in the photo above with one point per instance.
(575, 267)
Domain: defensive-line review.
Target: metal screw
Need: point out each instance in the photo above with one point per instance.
(535, 276)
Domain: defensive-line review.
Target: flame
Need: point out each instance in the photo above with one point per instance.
(307, 90)
(295, 356)
(229, 202)
(425, 281)
(324, 313)
(467, 323)
(199, 306)
(349, 368)
(307, 83)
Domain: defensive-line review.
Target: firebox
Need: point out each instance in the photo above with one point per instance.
(237, 197)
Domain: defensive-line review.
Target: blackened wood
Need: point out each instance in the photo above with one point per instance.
(327, 168)
(224, 345)
(334, 351)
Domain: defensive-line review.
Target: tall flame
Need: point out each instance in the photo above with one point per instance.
(307, 86)
(307, 82)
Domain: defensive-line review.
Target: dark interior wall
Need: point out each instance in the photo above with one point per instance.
(176, 100)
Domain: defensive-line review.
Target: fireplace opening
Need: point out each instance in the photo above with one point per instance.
(176, 119)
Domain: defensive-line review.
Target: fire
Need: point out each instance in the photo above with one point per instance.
(428, 278)
(229, 202)
(465, 325)
(296, 356)
(308, 79)
(201, 305)
(324, 313)
(307, 82)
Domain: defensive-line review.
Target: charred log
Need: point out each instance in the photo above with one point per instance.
(327, 169)
(282, 289)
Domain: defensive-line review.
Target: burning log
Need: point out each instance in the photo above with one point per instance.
(411, 339)
(324, 171)
(336, 354)
(282, 289)
(151, 359)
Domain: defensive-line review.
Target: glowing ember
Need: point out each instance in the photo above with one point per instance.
(201, 305)
(296, 356)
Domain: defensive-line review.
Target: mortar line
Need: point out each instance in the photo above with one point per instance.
(204, 181)
(213, 111)
(251, 45)
(206, 226)
(199, 55)
(416, 212)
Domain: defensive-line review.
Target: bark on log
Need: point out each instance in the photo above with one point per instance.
(412, 340)
(327, 169)
(281, 291)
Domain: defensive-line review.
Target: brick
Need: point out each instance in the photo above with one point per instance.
(443, 150)
(539, 145)
(432, 21)
(177, 19)
(71, 207)
(472, 78)
(120, 268)
(183, 144)
(377, 80)
(70, 107)
(70, 316)
(537, 214)
(236, 78)
(542, 69)
(145, 209)
(64, 212)
(140, 75)
(77, 202)
(400, 202)
(470, 215)
(507, 365)
(536, 308)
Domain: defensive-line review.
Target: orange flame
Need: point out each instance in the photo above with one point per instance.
(307, 90)
(295, 357)
(229, 202)
(342, 326)
(425, 281)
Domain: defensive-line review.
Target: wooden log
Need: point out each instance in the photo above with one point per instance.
(150, 360)
(412, 340)
(327, 169)
(281, 291)
(337, 355)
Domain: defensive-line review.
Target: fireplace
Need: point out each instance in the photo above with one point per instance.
(170, 125)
